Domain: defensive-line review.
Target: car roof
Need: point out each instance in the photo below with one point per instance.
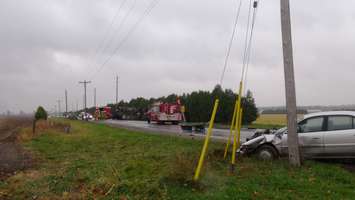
(351, 113)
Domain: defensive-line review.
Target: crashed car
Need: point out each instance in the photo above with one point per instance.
(321, 135)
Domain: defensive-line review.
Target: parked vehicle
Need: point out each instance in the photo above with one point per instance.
(165, 112)
(85, 116)
(103, 113)
(72, 116)
(321, 135)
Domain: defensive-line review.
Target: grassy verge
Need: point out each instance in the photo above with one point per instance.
(96, 161)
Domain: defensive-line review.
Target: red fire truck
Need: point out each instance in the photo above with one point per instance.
(166, 112)
(103, 113)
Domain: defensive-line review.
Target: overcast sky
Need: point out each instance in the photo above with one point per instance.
(48, 46)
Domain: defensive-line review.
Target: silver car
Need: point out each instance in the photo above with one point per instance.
(321, 135)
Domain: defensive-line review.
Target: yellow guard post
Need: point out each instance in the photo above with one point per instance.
(239, 126)
(237, 123)
(231, 129)
(205, 145)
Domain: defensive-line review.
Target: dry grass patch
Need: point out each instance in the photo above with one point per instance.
(274, 119)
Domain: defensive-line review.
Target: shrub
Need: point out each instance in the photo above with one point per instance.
(41, 113)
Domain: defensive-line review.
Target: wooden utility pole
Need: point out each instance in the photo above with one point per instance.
(58, 101)
(85, 83)
(77, 106)
(292, 137)
(95, 97)
(116, 90)
(66, 102)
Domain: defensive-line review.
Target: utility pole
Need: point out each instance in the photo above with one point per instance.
(77, 106)
(95, 97)
(292, 137)
(85, 83)
(66, 102)
(116, 90)
(58, 101)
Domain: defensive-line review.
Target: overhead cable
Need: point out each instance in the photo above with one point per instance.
(230, 43)
(119, 27)
(246, 41)
(102, 42)
(255, 6)
(129, 33)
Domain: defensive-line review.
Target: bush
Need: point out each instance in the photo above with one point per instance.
(41, 113)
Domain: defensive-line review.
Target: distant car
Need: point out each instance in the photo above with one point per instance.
(85, 116)
(72, 116)
(321, 135)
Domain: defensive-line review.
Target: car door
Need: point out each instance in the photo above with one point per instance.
(339, 139)
(311, 136)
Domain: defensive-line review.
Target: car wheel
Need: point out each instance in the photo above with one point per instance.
(266, 152)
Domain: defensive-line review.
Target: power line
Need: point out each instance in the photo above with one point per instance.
(246, 41)
(125, 38)
(119, 27)
(255, 6)
(230, 43)
(102, 42)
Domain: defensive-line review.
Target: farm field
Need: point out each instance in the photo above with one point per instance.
(95, 161)
(272, 120)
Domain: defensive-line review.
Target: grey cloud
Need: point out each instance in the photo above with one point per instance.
(47, 46)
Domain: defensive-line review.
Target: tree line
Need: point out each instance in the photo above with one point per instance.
(198, 106)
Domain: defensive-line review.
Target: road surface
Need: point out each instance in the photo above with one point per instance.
(220, 134)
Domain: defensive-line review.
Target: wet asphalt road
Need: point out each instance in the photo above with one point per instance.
(221, 134)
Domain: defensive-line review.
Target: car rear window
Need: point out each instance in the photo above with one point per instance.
(340, 123)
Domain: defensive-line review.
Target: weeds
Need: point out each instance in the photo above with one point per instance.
(182, 168)
(10, 126)
(41, 127)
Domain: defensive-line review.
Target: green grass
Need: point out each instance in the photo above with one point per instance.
(96, 161)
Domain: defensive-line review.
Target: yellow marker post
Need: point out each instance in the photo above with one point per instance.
(205, 145)
(239, 126)
(236, 124)
(231, 130)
